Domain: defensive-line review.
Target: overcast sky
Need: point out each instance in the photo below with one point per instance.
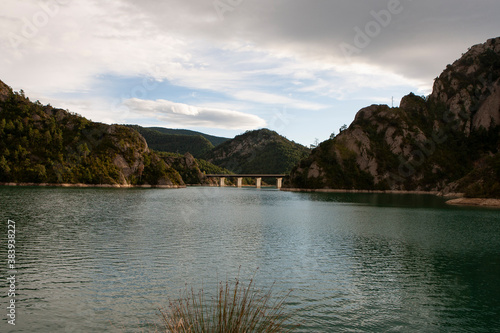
(300, 67)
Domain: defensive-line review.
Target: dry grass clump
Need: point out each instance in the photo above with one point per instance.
(234, 308)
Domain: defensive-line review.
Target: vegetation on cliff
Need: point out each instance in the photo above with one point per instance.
(192, 170)
(448, 141)
(42, 144)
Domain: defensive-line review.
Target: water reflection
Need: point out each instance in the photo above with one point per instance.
(381, 199)
(105, 259)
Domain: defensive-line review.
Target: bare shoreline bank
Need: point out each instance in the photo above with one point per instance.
(80, 185)
(475, 202)
(322, 190)
(456, 199)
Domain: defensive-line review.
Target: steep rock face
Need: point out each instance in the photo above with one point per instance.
(5, 91)
(427, 143)
(261, 151)
(470, 88)
(488, 114)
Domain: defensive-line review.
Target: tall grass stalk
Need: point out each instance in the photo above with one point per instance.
(234, 308)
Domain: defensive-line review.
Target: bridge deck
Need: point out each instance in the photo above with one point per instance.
(248, 175)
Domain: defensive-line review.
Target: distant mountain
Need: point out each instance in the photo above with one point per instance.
(197, 145)
(214, 140)
(260, 151)
(449, 141)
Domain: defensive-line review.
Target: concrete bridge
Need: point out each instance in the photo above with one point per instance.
(258, 177)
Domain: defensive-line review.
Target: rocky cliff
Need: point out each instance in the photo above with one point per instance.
(448, 141)
(42, 144)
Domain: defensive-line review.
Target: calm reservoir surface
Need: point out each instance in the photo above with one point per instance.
(104, 260)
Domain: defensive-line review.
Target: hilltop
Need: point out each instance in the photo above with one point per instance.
(447, 142)
(159, 140)
(214, 140)
(259, 151)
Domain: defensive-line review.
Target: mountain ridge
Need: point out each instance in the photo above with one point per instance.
(197, 145)
(215, 140)
(447, 142)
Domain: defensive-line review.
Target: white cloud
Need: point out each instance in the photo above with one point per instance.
(184, 115)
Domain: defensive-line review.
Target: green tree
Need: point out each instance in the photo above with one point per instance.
(9, 127)
(19, 125)
(38, 173)
(48, 137)
(4, 168)
(84, 150)
(2, 125)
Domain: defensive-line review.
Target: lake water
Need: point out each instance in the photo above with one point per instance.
(105, 260)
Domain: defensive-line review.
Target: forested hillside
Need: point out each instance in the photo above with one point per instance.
(197, 145)
(214, 140)
(42, 144)
(260, 151)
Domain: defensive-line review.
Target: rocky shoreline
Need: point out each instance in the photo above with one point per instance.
(458, 199)
(322, 190)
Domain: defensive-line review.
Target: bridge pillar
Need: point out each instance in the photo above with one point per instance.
(279, 183)
(240, 181)
(222, 181)
(259, 182)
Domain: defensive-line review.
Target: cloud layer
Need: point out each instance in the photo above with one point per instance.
(183, 114)
(249, 56)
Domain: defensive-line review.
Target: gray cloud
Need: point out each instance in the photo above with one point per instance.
(418, 42)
